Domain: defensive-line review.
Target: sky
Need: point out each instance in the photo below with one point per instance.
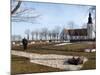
(51, 15)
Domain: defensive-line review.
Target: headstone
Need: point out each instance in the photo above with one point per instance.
(13, 43)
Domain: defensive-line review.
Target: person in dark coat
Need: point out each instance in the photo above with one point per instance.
(25, 43)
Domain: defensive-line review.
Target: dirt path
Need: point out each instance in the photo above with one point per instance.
(52, 60)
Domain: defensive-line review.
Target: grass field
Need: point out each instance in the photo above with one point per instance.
(75, 49)
(21, 65)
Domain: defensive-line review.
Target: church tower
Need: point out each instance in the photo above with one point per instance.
(90, 27)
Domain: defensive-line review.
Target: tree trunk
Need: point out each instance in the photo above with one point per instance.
(16, 8)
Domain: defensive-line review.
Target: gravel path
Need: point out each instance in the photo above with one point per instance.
(61, 44)
(52, 60)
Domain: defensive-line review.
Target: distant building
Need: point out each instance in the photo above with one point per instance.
(79, 34)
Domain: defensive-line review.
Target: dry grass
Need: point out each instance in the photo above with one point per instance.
(75, 47)
(72, 49)
(91, 64)
(21, 65)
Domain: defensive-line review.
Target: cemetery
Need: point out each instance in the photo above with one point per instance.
(60, 58)
(52, 45)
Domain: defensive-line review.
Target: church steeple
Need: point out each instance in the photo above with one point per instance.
(90, 27)
(89, 19)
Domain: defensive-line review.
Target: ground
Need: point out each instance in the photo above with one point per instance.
(75, 49)
(21, 65)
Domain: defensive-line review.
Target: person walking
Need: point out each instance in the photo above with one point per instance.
(25, 43)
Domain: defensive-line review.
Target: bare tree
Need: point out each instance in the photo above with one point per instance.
(23, 14)
(32, 33)
(19, 37)
(27, 32)
(57, 32)
(92, 9)
(14, 9)
(45, 33)
(54, 35)
(41, 35)
(36, 34)
(84, 25)
(71, 25)
(62, 34)
(50, 35)
(16, 38)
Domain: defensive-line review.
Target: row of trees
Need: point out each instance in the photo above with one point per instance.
(43, 34)
(16, 38)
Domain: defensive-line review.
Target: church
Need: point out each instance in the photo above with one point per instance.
(79, 34)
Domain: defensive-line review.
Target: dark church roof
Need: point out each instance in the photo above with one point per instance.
(76, 32)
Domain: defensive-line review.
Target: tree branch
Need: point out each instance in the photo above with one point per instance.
(16, 8)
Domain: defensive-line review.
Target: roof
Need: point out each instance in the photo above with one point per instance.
(76, 32)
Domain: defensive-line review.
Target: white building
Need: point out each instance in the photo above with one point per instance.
(90, 28)
(79, 34)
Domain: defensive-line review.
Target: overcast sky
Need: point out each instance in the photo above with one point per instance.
(51, 15)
